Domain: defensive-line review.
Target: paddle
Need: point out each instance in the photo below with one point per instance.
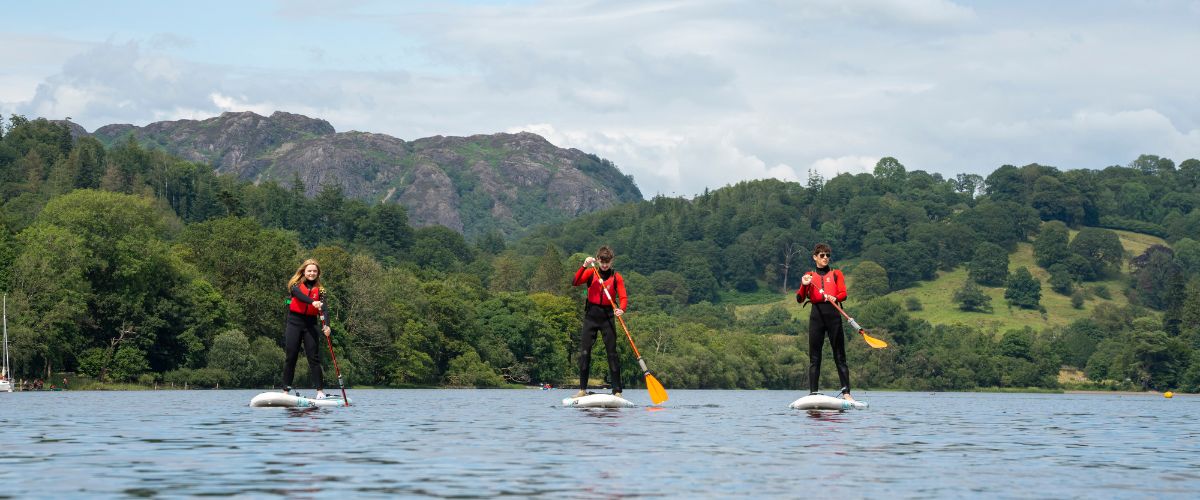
(872, 341)
(657, 393)
(332, 356)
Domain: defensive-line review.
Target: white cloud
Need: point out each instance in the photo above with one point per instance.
(829, 168)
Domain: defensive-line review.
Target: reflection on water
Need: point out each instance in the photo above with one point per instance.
(521, 443)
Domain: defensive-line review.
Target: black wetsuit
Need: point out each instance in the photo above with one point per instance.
(306, 329)
(825, 320)
(599, 317)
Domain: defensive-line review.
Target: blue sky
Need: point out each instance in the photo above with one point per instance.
(683, 95)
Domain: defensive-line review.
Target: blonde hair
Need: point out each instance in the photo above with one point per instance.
(300, 274)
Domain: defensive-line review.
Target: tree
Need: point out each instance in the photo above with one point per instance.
(1060, 279)
(1057, 201)
(441, 248)
(1157, 277)
(1051, 245)
(870, 280)
(1187, 252)
(1101, 248)
(231, 352)
(1153, 164)
(969, 184)
(1005, 184)
(971, 298)
(1189, 173)
(548, 277)
(1022, 289)
(366, 317)
(1003, 223)
(470, 370)
(386, 232)
(989, 265)
(890, 173)
(250, 265)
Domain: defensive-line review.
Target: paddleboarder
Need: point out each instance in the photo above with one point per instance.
(823, 287)
(306, 315)
(598, 315)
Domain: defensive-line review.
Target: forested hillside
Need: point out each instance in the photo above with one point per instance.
(126, 264)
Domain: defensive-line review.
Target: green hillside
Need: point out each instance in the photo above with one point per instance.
(938, 307)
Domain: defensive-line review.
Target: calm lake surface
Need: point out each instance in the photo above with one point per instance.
(467, 443)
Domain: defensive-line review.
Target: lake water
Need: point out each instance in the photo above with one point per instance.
(521, 442)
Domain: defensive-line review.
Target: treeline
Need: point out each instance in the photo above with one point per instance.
(128, 264)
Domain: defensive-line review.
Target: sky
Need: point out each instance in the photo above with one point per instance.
(682, 95)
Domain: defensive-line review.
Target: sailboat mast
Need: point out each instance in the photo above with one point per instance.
(5, 306)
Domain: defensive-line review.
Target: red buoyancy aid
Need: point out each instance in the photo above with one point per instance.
(299, 307)
(595, 295)
(832, 283)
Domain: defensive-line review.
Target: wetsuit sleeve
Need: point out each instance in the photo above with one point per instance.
(583, 275)
(839, 286)
(802, 292)
(300, 295)
(624, 299)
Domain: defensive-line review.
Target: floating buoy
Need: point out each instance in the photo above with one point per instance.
(1168, 394)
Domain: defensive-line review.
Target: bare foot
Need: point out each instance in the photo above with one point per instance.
(847, 396)
(580, 394)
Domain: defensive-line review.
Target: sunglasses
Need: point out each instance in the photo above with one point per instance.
(824, 255)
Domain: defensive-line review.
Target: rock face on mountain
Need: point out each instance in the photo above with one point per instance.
(505, 182)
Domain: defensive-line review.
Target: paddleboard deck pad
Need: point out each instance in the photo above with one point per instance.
(823, 402)
(598, 401)
(282, 400)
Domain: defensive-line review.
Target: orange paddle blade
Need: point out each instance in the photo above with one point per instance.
(872, 341)
(657, 393)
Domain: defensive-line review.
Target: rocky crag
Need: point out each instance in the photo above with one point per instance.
(476, 184)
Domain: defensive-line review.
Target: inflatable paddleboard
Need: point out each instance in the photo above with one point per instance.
(598, 401)
(282, 400)
(823, 402)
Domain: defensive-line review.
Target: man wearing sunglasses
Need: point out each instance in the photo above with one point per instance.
(822, 286)
(597, 273)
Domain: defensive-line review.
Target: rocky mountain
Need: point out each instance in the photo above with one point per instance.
(505, 182)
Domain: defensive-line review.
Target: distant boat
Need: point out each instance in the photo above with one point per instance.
(6, 384)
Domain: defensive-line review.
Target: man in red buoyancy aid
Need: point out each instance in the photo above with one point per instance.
(598, 315)
(306, 314)
(822, 286)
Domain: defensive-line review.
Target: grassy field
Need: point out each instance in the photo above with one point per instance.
(937, 305)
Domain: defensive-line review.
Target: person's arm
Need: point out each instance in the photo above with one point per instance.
(623, 299)
(583, 275)
(300, 295)
(803, 291)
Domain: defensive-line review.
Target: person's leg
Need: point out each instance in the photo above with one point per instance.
(313, 353)
(837, 341)
(291, 350)
(587, 338)
(816, 341)
(614, 360)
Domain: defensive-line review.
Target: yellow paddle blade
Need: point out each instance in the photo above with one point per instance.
(657, 393)
(872, 341)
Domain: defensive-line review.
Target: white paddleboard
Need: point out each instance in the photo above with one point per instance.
(823, 402)
(598, 401)
(277, 399)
